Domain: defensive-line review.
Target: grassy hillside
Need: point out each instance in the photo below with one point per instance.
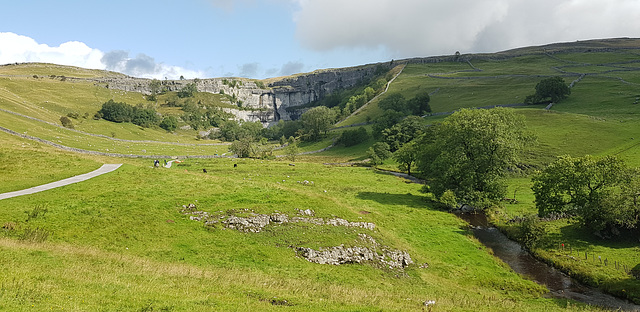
(121, 241)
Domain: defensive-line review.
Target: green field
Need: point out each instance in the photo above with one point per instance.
(120, 241)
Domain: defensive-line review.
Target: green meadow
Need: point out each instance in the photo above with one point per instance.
(121, 241)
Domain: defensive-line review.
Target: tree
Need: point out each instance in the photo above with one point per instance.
(317, 120)
(144, 117)
(243, 148)
(116, 111)
(188, 91)
(601, 192)
(353, 137)
(369, 93)
(66, 122)
(394, 101)
(552, 88)
(403, 132)
(154, 88)
(292, 150)
(419, 105)
(406, 156)
(386, 120)
(169, 123)
(378, 153)
(470, 152)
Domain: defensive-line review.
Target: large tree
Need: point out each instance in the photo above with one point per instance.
(419, 105)
(403, 132)
(317, 120)
(394, 101)
(406, 156)
(551, 89)
(470, 152)
(601, 192)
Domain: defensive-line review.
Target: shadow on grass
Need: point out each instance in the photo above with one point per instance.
(408, 200)
(408, 178)
(583, 238)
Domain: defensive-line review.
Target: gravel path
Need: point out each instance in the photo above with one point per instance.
(106, 168)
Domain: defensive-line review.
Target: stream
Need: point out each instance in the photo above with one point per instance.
(559, 284)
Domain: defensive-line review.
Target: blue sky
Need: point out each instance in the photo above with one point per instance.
(267, 38)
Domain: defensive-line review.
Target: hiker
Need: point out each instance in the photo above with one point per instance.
(204, 170)
(156, 163)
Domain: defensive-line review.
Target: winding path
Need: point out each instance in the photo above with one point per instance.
(106, 168)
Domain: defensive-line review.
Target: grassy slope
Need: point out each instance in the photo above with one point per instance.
(113, 245)
(26, 164)
(599, 118)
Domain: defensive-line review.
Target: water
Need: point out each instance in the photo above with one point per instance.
(559, 284)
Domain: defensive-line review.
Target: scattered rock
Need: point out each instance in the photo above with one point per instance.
(316, 221)
(253, 224)
(343, 222)
(306, 212)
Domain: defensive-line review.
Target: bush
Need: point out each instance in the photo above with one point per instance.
(531, 231)
(144, 117)
(378, 153)
(188, 91)
(116, 111)
(66, 122)
(169, 123)
(353, 137)
(394, 101)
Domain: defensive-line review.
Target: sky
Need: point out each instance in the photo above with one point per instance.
(269, 38)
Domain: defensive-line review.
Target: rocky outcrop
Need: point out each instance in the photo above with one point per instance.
(261, 100)
(254, 223)
(367, 250)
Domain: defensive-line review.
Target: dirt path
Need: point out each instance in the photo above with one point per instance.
(106, 168)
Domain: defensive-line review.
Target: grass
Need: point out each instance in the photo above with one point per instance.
(46, 70)
(69, 138)
(148, 253)
(24, 164)
(119, 241)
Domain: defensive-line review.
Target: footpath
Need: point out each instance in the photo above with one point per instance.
(106, 168)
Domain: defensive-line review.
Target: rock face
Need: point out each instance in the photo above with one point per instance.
(260, 101)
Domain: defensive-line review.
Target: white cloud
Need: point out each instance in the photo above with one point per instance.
(19, 49)
(427, 27)
(16, 48)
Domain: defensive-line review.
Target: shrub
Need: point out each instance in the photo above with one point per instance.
(169, 123)
(66, 122)
(144, 117)
(116, 111)
(531, 231)
(378, 153)
(353, 137)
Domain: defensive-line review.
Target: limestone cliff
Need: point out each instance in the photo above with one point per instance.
(265, 101)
